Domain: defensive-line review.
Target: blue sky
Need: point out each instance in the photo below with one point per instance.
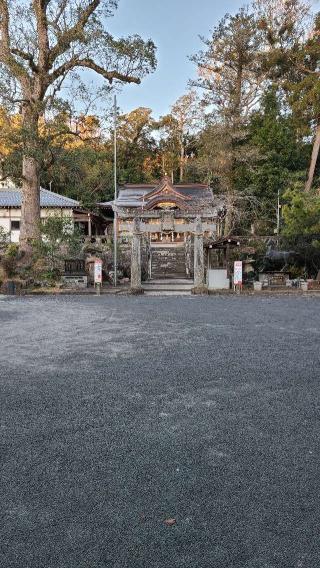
(174, 26)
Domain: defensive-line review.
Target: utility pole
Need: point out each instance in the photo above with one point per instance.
(278, 216)
(115, 227)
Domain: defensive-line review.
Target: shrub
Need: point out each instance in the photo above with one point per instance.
(59, 239)
(4, 239)
(9, 259)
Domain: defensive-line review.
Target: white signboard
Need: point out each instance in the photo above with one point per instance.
(237, 272)
(98, 271)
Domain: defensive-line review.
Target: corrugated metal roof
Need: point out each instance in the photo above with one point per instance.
(12, 197)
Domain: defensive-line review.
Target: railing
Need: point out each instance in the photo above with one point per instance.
(177, 228)
(96, 239)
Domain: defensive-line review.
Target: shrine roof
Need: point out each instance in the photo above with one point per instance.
(132, 195)
(195, 191)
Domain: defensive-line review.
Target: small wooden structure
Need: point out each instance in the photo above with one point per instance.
(218, 252)
(92, 224)
(219, 273)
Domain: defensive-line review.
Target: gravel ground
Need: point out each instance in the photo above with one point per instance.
(118, 413)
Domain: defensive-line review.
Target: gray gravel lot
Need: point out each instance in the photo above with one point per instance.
(120, 412)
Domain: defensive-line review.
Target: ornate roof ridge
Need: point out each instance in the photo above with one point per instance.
(166, 188)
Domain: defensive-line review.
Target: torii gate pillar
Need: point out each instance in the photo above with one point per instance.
(199, 284)
(136, 287)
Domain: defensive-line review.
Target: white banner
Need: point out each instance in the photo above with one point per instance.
(237, 279)
(98, 271)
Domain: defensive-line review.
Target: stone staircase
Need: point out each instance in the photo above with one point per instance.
(168, 262)
(168, 287)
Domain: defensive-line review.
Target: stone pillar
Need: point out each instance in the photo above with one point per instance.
(136, 259)
(199, 284)
(187, 244)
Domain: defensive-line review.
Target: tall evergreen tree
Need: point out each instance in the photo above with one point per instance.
(232, 80)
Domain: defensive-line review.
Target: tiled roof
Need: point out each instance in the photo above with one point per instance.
(195, 191)
(11, 197)
(131, 195)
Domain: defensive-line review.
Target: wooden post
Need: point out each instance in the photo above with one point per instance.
(227, 261)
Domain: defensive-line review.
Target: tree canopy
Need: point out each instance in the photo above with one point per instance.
(43, 46)
(248, 123)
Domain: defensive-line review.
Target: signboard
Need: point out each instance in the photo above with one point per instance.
(98, 271)
(237, 279)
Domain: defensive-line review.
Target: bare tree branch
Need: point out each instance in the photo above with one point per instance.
(6, 55)
(67, 37)
(62, 8)
(88, 63)
(27, 57)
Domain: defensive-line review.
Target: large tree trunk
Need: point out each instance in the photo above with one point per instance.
(30, 211)
(314, 158)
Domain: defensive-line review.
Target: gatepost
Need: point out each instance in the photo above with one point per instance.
(199, 284)
(136, 287)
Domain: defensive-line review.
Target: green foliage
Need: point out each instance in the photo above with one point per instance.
(301, 231)
(12, 251)
(44, 47)
(137, 147)
(4, 239)
(81, 166)
(10, 255)
(301, 213)
(282, 155)
(83, 173)
(258, 75)
(59, 240)
(229, 66)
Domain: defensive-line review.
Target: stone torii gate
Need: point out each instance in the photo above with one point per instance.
(138, 231)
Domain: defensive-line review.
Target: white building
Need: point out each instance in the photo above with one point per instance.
(10, 207)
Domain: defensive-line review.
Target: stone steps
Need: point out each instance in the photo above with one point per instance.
(167, 293)
(164, 287)
(168, 287)
(169, 281)
(168, 262)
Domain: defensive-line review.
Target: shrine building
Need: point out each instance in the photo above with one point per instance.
(167, 224)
